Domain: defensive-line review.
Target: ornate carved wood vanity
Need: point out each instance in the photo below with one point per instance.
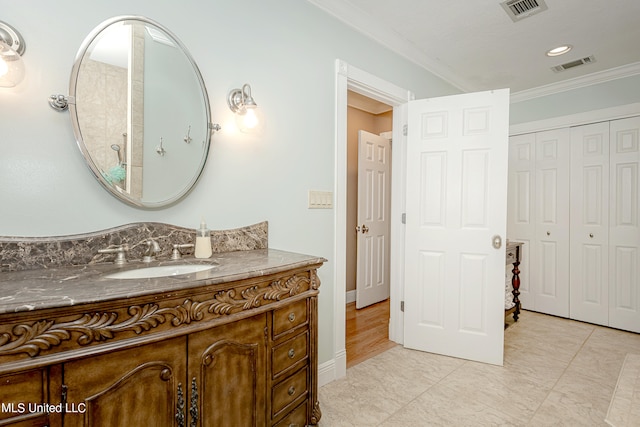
(232, 346)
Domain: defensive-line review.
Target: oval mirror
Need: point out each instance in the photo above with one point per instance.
(140, 111)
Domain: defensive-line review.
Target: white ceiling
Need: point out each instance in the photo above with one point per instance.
(475, 45)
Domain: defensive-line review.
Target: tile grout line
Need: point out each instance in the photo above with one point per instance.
(465, 362)
(593, 329)
(426, 390)
(420, 394)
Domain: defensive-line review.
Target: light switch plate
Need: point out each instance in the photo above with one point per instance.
(320, 199)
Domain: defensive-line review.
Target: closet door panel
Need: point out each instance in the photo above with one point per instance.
(624, 248)
(520, 216)
(589, 273)
(548, 271)
(551, 286)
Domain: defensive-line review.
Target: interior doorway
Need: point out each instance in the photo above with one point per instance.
(352, 78)
(368, 255)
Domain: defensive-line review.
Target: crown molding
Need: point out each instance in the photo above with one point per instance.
(353, 17)
(578, 82)
(373, 29)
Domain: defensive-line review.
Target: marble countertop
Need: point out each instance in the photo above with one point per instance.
(30, 290)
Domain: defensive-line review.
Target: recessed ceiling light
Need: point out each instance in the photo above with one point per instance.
(560, 50)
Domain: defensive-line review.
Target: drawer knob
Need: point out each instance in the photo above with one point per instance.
(165, 374)
(292, 353)
(591, 235)
(207, 360)
(292, 317)
(291, 391)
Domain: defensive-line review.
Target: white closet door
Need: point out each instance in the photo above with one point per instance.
(521, 209)
(624, 232)
(551, 287)
(589, 272)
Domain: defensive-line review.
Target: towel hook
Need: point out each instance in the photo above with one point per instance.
(187, 138)
(159, 148)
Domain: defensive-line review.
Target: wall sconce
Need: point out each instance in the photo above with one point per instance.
(249, 117)
(11, 48)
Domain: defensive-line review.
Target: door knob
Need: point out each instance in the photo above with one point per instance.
(496, 241)
(365, 229)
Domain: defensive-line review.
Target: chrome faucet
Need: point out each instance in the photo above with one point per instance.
(153, 249)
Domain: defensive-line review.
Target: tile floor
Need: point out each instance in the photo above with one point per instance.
(556, 372)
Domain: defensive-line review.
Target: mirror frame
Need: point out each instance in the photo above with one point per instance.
(114, 190)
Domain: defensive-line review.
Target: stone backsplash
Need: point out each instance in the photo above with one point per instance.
(31, 253)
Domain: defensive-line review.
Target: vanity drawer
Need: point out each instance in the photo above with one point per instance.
(289, 353)
(287, 318)
(19, 390)
(285, 393)
(297, 417)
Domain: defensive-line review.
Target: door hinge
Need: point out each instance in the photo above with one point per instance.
(405, 130)
(404, 218)
(402, 306)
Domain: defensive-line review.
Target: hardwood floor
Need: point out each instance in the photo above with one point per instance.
(367, 332)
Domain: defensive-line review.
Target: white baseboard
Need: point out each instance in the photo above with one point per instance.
(333, 369)
(326, 372)
(351, 296)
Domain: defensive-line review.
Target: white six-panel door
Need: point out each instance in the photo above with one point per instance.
(456, 208)
(374, 185)
(589, 273)
(624, 230)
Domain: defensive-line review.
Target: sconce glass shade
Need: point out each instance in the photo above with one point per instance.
(248, 115)
(251, 120)
(11, 64)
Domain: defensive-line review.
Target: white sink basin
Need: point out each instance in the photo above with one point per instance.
(160, 271)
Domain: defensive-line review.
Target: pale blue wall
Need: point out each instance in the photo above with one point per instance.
(286, 50)
(595, 97)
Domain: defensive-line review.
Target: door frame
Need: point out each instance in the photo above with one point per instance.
(351, 78)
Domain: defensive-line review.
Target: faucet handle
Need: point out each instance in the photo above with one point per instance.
(119, 250)
(176, 253)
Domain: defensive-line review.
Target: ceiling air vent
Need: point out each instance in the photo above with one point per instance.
(520, 9)
(572, 64)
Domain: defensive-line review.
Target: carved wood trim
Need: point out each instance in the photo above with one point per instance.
(193, 407)
(89, 328)
(316, 413)
(180, 418)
